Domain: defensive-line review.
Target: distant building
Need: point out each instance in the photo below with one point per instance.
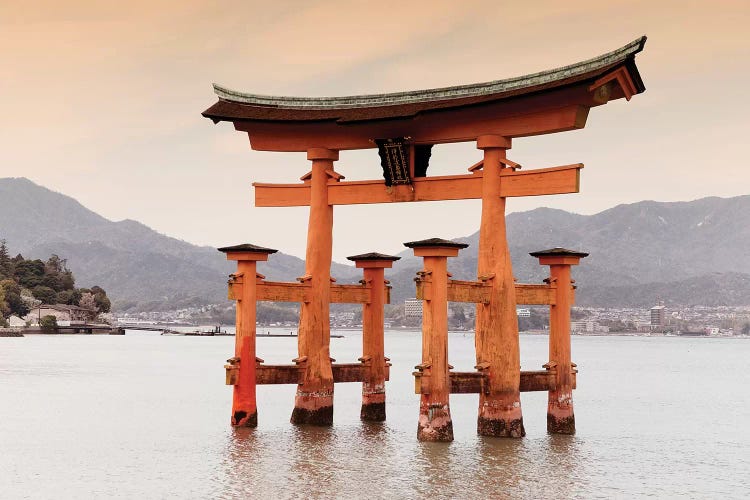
(413, 307)
(63, 312)
(588, 326)
(14, 322)
(523, 313)
(582, 326)
(658, 315)
(346, 316)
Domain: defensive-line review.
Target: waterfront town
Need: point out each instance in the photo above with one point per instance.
(722, 321)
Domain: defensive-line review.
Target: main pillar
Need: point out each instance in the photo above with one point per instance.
(373, 345)
(313, 403)
(435, 423)
(496, 332)
(560, 416)
(244, 407)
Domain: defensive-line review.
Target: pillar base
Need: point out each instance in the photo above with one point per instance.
(560, 416)
(313, 408)
(435, 423)
(372, 412)
(564, 425)
(500, 420)
(244, 419)
(373, 407)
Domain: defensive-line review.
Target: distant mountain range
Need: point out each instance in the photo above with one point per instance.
(137, 266)
(683, 253)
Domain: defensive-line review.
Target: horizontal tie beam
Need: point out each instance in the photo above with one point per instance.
(476, 382)
(478, 292)
(294, 374)
(543, 181)
(283, 292)
(270, 291)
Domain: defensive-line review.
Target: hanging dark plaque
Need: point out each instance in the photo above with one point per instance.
(394, 158)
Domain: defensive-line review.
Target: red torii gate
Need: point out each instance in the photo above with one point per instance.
(404, 126)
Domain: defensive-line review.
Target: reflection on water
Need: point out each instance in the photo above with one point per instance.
(355, 461)
(147, 416)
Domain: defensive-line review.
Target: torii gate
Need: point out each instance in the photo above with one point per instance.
(404, 126)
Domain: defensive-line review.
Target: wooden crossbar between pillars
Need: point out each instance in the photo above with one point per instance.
(270, 291)
(478, 292)
(476, 382)
(294, 374)
(543, 181)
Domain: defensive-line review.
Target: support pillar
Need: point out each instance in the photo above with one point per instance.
(433, 378)
(373, 345)
(496, 332)
(244, 407)
(560, 416)
(313, 403)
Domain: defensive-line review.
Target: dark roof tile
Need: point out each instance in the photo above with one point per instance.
(435, 242)
(558, 251)
(246, 247)
(373, 256)
(235, 105)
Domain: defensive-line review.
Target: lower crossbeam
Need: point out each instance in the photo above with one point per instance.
(475, 382)
(293, 374)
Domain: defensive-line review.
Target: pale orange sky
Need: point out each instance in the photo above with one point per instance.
(102, 100)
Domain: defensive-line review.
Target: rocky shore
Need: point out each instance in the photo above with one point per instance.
(6, 332)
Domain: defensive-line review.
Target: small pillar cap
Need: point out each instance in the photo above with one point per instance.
(559, 252)
(373, 256)
(247, 247)
(493, 141)
(435, 242)
(322, 154)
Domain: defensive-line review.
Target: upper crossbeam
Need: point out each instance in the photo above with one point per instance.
(543, 181)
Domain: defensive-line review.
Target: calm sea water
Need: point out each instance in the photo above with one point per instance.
(147, 416)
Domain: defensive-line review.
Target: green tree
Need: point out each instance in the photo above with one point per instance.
(13, 300)
(48, 322)
(57, 275)
(46, 294)
(70, 297)
(6, 266)
(53, 282)
(4, 309)
(103, 304)
(89, 302)
(29, 273)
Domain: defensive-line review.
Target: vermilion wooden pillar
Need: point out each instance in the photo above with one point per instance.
(560, 416)
(435, 423)
(244, 408)
(373, 342)
(496, 329)
(313, 403)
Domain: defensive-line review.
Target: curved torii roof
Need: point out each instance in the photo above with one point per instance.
(384, 115)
